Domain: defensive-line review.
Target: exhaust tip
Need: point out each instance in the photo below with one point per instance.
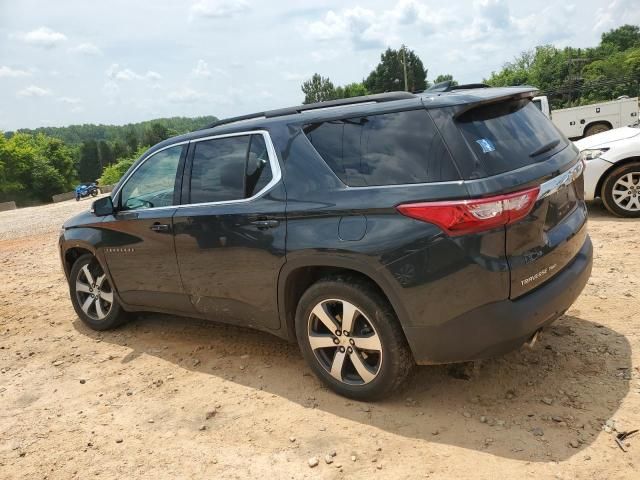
(534, 338)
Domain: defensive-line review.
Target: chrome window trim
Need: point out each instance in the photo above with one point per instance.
(276, 172)
(556, 183)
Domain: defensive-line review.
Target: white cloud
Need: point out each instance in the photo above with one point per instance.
(86, 49)
(34, 91)
(185, 95)
(295, 76)
(201, 70)
(366, 28)
(70, 100)
(8, 72)
(218, 8)
(115, 72)
(43, 37)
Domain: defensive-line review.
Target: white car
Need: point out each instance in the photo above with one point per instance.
(612, 170)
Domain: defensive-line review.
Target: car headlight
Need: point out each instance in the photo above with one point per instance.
(593, 153)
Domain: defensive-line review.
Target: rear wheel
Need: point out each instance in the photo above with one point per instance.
(621, 191)
(92, 295)
(351, 338)
(596, 128)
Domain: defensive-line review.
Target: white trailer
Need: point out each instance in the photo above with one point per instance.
(578, 122)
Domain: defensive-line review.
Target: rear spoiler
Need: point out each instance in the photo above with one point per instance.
(496, 95)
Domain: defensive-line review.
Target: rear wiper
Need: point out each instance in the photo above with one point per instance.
(544, 148)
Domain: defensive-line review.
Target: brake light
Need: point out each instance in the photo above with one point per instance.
(459, 217)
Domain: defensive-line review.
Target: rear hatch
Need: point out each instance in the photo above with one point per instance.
(514, 147)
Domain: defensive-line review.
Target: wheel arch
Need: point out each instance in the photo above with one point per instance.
(70, 253)
(596, 122)
(296, 277)
(618, 164)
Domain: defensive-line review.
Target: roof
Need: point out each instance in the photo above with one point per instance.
(365, 105)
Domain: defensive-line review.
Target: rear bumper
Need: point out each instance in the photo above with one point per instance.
(500, 327)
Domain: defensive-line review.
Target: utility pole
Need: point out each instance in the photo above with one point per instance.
(404, 63)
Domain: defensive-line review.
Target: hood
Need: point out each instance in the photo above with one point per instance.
(601, 139)
(84, 219)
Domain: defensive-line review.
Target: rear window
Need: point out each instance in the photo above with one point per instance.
(509, 135)
(386, 149)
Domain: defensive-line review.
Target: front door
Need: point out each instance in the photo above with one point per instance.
(139, 246)
(230, 234)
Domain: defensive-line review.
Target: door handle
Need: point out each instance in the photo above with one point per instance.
(160, 227)
(265, 224)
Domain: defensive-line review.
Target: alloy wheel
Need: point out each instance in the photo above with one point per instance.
(626, 192)
(345, 342)
(93, 291)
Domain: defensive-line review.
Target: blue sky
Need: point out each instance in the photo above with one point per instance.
(75, 61)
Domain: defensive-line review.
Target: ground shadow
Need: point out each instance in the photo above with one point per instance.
(541, 404)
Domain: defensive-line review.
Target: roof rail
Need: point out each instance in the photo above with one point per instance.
(377, 98)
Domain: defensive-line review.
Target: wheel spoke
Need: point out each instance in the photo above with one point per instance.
(338, 363)
(627, 182)
(100, 280)
(634, 204)
(87, 303)
(349, 313)
(82, 287)
(320, 341)
(107, 296)
(87, 274)
(99, 312)
(321, 313)
(364, 372)
(368, 343)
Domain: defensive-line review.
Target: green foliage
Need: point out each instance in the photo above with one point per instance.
(389, 73)
(445, 78)
(112, 173)
(89, 168)
(574, 76)
(34, 167)
(623, 38)
(318, 89)
(354, 89)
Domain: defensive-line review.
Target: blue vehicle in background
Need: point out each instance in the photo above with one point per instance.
(86, 189)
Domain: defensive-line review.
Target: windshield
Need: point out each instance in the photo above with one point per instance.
(510, 135)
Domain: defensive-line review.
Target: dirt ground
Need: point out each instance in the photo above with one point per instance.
(166, 397)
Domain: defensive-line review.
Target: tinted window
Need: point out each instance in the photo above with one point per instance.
(258, 168)
(217, 173)
(386, 149)
(509, 135)
(153, 182)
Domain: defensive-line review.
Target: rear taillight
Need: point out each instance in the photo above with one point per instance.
(459, 217)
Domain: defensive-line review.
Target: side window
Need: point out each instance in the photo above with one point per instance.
(218, 169)
(386, 149)
(153, 183)
(258, 168)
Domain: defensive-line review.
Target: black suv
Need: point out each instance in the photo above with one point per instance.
(378, 231)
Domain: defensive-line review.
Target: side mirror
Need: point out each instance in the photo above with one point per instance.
(103, 207)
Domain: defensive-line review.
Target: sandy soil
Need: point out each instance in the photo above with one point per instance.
(166, 397)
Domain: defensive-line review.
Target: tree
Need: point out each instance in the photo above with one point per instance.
(131, 139)
(105, 154)
(445, 78)
(623, 38)
(318, 89)
(89, 164)
(389, 73)
(112, 174)
(155, 133)
(351, 90)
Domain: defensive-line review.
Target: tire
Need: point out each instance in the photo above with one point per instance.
(366, 373)
(86, 274)
(621, 191)
(94, 193)
(596, 128)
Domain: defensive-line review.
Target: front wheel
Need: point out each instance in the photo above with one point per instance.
(351, 339)
(92, 295)
(621, 191)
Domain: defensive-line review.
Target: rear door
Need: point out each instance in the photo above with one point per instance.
(515, 146)
(230, 231)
